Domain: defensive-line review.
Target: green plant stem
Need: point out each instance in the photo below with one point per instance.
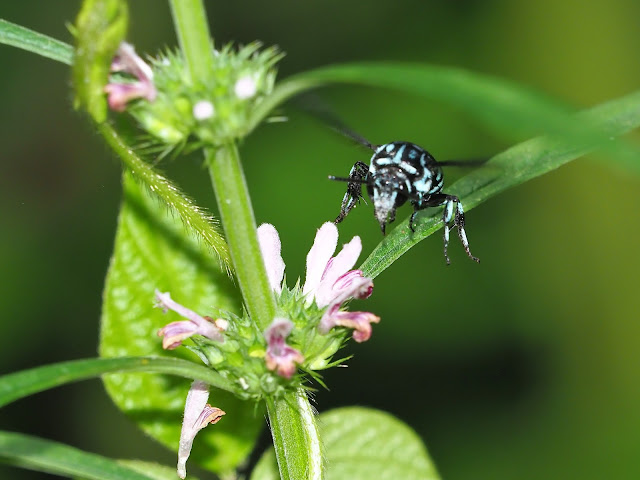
(192, 29)
(190, 214)
(239, 225)
(295, 437)
(291, 418)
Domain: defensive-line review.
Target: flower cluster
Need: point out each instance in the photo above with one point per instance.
(309, 328)
(329, 281)
(212, 110)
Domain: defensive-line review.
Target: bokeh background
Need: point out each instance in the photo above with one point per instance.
(525, 366)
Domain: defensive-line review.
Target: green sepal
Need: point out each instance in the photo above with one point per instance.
(170, 118)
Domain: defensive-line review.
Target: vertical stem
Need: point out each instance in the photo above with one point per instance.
(292, 421)
(295, 434)
(295, 437)
(192, 29)
(239, 224)
(226, 172)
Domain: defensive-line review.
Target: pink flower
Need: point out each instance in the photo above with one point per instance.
(197, 415)
(359, 321)
(281, 357)
(120, 93)
(329, 280)
(271, 247)
(174, 333)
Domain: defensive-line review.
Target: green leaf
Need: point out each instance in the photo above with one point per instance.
(153, 251)
(504, 106)
(362, 443)
(56, 458)
(100, 28)
(153, 470)
(27, 382)
(21, 37)
(512, 167)
(493, 100)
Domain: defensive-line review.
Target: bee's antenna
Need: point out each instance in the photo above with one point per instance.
(348, 180)
(320, 110)
(347, 132)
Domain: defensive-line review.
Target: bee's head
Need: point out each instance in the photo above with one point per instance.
(388, 192)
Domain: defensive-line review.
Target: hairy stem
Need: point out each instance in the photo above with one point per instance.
(192, 29)
(191, 215)
(295, 437)
(292, 422)
(239, 225)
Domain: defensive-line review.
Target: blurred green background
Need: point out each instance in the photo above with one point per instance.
(525, 366)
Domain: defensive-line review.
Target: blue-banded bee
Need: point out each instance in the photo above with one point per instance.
(401, 171)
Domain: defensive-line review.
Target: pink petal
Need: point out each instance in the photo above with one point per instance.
(339, 266)
(278, 331)
(346, 259)
(127, 60)
(165, 302)
(204, 327)
(120, 93)
(351, 285)
(270, 247)
(323, 247)
(175, 332)
(209, 416)
(285, 363)
(279, 356)
(359, 321)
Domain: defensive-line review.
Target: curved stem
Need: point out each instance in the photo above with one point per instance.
(191, 215)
